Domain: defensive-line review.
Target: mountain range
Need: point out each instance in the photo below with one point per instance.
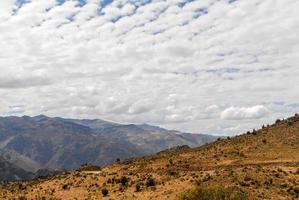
(258, 164)
(29, 144)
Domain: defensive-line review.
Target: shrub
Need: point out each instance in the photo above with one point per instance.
(124, 181)
(290, 122)
(172, 173)
(277, 121)
(150, 182)
(264, 141)
(65, 187)
(254, 132)
(241, 154)
(105, 192)
(213, 193)
(138, 188)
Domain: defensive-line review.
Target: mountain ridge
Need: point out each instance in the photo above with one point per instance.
(57, 143)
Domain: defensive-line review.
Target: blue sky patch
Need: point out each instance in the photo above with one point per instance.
(139, 3)
(200, 12)
(60, 2)
(81, 3)
(105, 3)
(183, 3)
(19, 4)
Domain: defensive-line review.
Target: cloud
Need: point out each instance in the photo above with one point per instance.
(174, 63)
(16, 110)
(240, 113)
(23, 82)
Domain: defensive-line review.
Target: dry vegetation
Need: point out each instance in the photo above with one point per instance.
(261, 164)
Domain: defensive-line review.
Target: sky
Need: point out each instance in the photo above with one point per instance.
(204, 66)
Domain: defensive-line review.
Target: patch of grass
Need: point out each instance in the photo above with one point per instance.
(213, 193)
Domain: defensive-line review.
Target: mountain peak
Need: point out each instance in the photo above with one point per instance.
(40, 117)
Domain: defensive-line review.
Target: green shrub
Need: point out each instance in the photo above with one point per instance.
(213, 193)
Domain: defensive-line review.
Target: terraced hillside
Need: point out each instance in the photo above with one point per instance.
(260, 164)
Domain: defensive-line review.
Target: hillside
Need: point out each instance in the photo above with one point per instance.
(33, 143)
(11, 172)
(261, 164)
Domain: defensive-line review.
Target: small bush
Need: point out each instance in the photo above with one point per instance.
(290, 122)
(105, 192)
(170, 161)
(264, 141)
(241, 154)
(172, 173)
(124, 181)
(138, 188)
(150, 182)
(213, 193)
(254, 132)
(65, 187)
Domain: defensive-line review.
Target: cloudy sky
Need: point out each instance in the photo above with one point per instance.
(207, 66)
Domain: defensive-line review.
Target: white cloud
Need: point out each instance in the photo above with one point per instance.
(164, 62)
(240, 113)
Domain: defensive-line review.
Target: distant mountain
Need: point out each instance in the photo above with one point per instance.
(152, 139)
(17, 159)
(32, 143)
(11, 172)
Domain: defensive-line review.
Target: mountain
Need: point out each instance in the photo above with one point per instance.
(152, 139)
(17, 159)
(259, 164)
(11, 172)
(33, 143)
